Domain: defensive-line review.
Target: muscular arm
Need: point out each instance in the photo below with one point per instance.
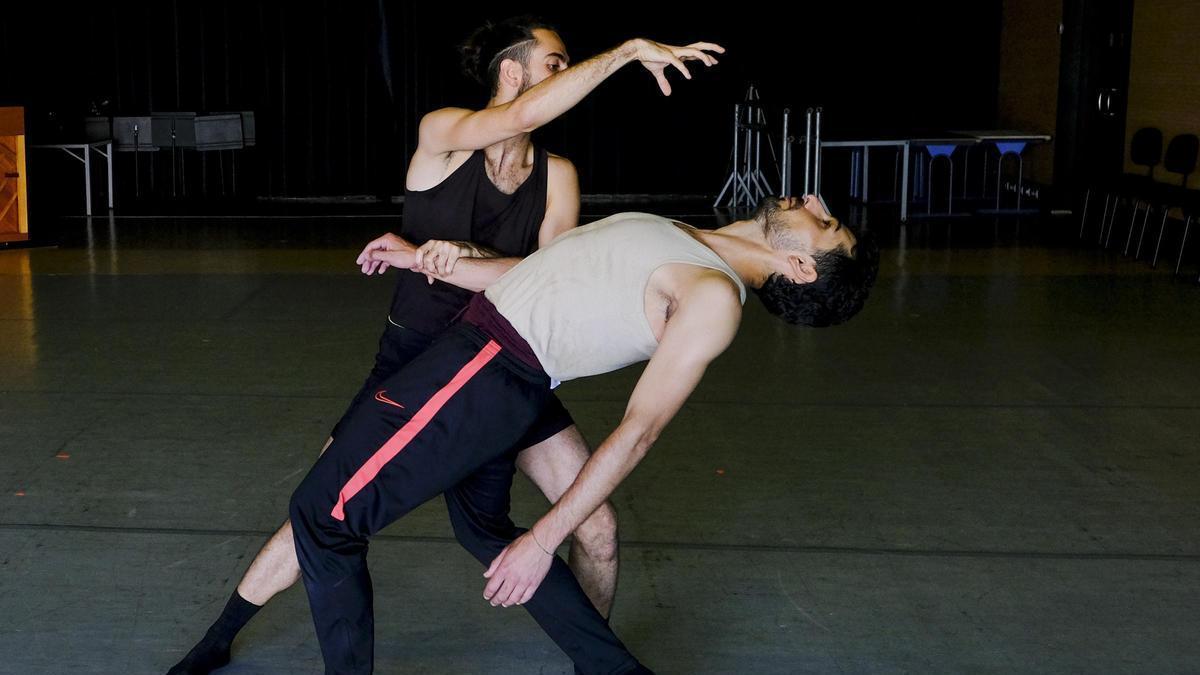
(473, 250)
(451, 129)
(562, 200)
(702, 327)
(476, 274)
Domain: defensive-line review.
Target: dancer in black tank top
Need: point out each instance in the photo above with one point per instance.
(466, 206)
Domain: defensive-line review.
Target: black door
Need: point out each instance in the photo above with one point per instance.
(1093, 92)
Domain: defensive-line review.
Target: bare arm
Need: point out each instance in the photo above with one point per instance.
(474, 274)
(450, 129)
(562, 200)
(702, 327)
(468, 249)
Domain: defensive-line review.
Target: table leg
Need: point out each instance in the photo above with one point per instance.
(110, 176)
(950, 186)
(853, 177)
(904, 187)
(966, 169)
(929, 187)
(1021, 176)
(866, 173)
(87, 178)
(896, 176)
(999, 171)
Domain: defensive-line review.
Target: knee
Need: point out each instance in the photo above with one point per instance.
(301, 512)
(285, 530)
(597, 536)
(297, 517)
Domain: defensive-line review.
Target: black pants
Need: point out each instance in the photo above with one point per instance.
(448, 422)
(399, 345)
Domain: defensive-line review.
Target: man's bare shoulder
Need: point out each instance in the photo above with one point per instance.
(707, 313)
(445, 115)
(435, 123)
(703, 294)
(703, 285)
(561, 167)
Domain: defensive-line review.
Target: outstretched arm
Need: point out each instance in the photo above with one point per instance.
(389, 250)
(702, 327)
(450, 129)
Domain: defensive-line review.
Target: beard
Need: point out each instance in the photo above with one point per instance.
(767, 206)
(526, 85)
(769, 214)
(775, 226)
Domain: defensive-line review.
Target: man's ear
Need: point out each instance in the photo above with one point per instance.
(802, 269)
(512, 73)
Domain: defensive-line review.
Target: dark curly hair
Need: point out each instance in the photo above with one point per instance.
(491, 43)
(838, 293)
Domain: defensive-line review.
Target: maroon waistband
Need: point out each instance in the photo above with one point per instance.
(482, 314)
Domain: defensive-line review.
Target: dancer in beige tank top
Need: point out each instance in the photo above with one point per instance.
(633, 287)
(625, 289)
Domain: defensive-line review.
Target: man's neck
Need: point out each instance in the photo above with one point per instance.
(743, 246)
(514, 150)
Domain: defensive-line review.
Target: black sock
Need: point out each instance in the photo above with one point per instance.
(212, 651)
(233, 618)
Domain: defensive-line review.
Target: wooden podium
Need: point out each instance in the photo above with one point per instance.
(14, 215)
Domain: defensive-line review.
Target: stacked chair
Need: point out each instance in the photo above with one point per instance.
(1133, 196)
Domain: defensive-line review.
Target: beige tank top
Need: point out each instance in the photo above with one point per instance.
(580, 302)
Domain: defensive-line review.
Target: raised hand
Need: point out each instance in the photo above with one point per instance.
(656, 57)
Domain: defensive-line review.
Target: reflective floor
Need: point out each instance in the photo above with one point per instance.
(995, 468)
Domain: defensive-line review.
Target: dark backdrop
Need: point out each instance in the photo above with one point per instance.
(338, 87)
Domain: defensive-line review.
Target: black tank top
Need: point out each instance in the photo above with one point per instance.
(466, 206)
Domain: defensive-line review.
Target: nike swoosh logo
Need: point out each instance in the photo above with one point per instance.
(381, 396)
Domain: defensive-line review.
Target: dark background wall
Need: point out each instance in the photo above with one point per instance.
(329, 123)
(1164, 82)
(1030, 54)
